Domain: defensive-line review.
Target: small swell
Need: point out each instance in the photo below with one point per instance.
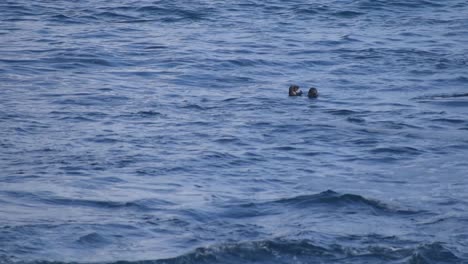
(348, 14)
(328, 199)
(193, 107)
(93, 239)
(397, 150)
(110, 14)
(281, 250)
(306, 251)
(144, 204)
(61, 18)
(449, 120)
(307, 11)
(148, 113)
(441, 96)
(154, 47)
(356, 120)
(92, 100)
(285, 148)
(433, 253)
(173, 14)
(391, 5)
(343, 112)
(225, 140)
(451, 100)
(301, 251)
(75, 62)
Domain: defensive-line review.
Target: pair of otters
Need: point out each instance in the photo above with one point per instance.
(295, 91)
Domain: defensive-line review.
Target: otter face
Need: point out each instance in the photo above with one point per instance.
(293, 90)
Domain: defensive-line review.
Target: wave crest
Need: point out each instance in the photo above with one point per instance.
(298, 251)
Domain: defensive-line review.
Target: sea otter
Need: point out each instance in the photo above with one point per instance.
(313, 93)
(294, 90)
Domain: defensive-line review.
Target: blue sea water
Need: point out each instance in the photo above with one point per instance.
(161, 131)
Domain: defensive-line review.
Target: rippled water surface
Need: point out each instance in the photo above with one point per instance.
(161, 131)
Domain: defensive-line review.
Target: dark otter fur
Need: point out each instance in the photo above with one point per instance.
(313, 93)
(294, 90)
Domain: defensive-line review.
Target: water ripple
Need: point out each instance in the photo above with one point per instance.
(163, 131)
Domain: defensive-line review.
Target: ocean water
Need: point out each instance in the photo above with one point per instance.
(137, 131)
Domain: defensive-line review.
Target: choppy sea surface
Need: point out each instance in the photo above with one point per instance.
(161, 131)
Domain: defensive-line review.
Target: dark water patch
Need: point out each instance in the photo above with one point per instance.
(256, 252)
(216, 155)
(410, 34)
(285, 148)
(174, 13)
(397, 150)
(314, 153)
(231, 99)
(260, 124)
(441, 96)
(356, 120)
(194, 107)
(448, 103)
(248, 62)
(342, 112)
(401, 106)
(332, 198)
(21, 19)
(75, 63)
(348, 14)
(227, 140)
(325, 200)
(302, 251)
(156, 47)
(329, 43)
(445, 221)
(395, 125)
(449, 63)
(94, 239)
(450, 120)
(112, 15)
(166, 221)
(350, 38)
(76, 119)
(200, 124)
(145, 114)
(403, 5)
(142, 205)
(288, 128)
(89, 100)
(433, 253)
(422, 72)
(458, 146)
(397, 57)
(95, 115)
(365, 141)
(4, 144)
(103, 139)
(18, 61)
(64, 19)
(107, 180)
(252, 158)
(307, 11)
(455, 80)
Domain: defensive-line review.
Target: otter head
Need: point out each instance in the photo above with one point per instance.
(293, 90)
(313, 93)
